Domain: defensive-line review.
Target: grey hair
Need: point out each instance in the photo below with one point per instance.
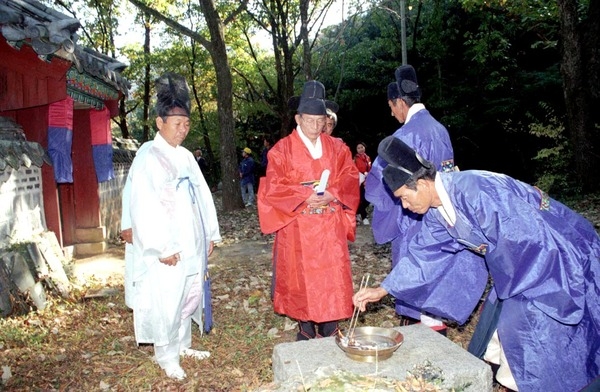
(331, 114)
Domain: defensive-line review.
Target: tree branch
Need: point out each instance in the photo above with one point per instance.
(236, 12)
(173, 24)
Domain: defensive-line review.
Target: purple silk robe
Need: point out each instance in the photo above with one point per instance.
(544, 262)
(390, 221)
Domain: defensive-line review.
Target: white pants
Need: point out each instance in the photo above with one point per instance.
(169, 354)
(495, 354)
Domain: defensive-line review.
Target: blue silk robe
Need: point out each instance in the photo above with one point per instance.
(390, 221)
(312, 276)
(544, 262)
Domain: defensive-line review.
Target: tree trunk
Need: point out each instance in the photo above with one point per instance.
(123, 119)
(306, 55)
(217, 49)
(579, 89)
(213, 175)
(146, 110)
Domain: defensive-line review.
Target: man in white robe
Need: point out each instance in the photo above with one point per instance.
(174, 225)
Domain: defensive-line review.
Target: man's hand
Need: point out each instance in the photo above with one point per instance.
(315, 200)
(211, 247)
(127, 235)
(366, 295)
(171, 260)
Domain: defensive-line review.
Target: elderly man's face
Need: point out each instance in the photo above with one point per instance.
(175, 127)
(311, 125)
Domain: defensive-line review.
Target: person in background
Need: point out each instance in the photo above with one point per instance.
(174, 228)
(539, 322)
(331, 122)
(247, 177)
(312, 276)
(363, 164)
(390, 222)
(201, 161)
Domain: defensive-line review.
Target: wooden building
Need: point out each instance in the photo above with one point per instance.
(62, 96)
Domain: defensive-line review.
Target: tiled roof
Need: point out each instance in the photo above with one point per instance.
(15, 150)
(51, 33)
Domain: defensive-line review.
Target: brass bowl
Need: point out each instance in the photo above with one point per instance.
(372, 344)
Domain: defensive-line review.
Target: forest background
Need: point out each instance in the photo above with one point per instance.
(515, 82)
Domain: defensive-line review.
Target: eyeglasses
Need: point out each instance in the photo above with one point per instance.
(319, 122)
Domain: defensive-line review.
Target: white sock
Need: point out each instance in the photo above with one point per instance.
(175, 371)
(188, 352)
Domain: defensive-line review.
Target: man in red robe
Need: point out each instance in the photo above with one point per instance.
(312, 277)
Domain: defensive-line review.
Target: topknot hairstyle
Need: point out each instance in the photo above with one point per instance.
(172, 92)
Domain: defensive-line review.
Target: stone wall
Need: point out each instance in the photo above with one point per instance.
(110, 201)
(21, 204)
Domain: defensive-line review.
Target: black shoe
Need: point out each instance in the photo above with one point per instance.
(327, 329)
(405, 320)
(307, 330)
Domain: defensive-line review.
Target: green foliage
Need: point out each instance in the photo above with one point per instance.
(553, 160)
(479, 63)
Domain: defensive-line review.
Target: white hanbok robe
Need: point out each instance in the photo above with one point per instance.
(172, 211)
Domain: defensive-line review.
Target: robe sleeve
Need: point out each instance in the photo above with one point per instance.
(345, 186)
(437, 276)
(279, 197)
(208, 210)
(125, 215)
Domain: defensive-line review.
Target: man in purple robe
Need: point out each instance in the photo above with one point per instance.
(541, 319)
(431, 140)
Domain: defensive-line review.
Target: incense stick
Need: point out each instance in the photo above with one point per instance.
(354, 320)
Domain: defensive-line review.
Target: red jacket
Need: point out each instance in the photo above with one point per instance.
(362, 162)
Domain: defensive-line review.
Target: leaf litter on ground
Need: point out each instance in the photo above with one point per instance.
(87, 344)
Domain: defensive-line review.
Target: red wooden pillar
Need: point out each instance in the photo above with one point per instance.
(85, 183)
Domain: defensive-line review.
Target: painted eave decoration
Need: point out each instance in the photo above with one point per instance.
(92, 79)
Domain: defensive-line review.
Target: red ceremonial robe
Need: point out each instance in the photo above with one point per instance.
(312, 276)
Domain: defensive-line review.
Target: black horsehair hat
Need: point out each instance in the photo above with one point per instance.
(406, 78)
(392, 91)
(312, 100)
(172, 91)
(402, 161)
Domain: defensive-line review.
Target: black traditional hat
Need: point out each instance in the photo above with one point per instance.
(172, 92)
(408, 86)
(307, 102)
(392, 91)
(402, 161)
